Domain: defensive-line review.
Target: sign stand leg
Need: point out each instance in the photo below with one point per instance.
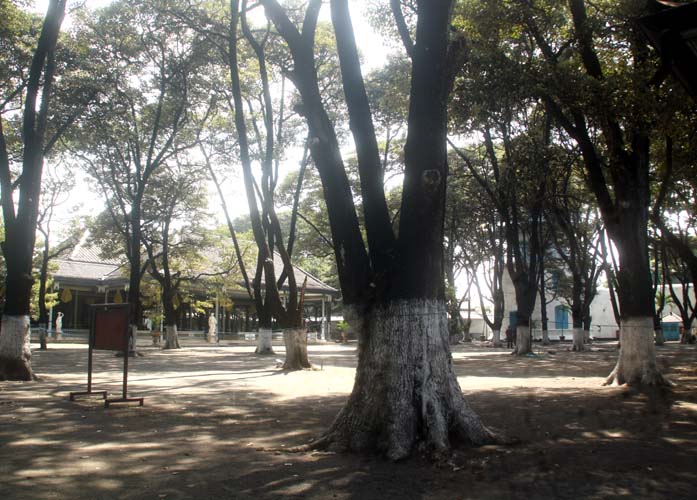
(89, 391)
(124, 397)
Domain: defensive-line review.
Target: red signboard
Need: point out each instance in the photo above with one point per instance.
(110, 327)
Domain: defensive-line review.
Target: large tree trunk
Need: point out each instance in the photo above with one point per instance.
(264, 341)
(15, 351)
(637, 361)
(15, 332)
(405, 395)
(496, 338)
(523, 342)
(295, 340)
(171, 337)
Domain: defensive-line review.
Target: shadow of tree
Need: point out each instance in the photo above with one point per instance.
(215, 422)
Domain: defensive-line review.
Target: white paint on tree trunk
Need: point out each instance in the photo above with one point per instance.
(545, 337)
(636, 364)
(523, 341)
(15, 350)
(405, 393)
(577, 340)
(586, 336)
(660, 338)
(295, 340)
(496, 338)
(264, 342)
(171, 337)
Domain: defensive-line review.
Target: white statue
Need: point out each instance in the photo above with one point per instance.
(59, 326)
(212, 328)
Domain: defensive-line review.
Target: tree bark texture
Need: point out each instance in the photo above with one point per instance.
(20, 218)
(577, 340)
(660, 338)
(15, 353)
(171, 337)
(523, 340)
(264, 345)
(405, 395)
(637, 360)
(496, 338)
(295, 340)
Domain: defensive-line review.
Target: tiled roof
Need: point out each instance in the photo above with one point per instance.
(70, 270)
(85, 264)
(313, 284)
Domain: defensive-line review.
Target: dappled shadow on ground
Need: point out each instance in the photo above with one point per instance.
(216, 420)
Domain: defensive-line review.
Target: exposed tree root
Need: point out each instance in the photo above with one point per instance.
(16, 370)
(406, 397)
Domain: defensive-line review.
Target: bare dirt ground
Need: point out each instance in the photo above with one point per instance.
(215, 418)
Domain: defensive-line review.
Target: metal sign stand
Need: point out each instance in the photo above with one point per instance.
(89, 392)
(109, 330)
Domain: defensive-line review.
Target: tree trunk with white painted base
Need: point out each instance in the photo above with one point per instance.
(578, 340)
(496, 338)
(171, 337)
(295, 340)
(545, 336)
(659, 337)
(637, 360)
(15, 351)
(264, 341)
(523, 341)
(405, 396)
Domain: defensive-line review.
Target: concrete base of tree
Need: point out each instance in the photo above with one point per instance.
(405, 396)
(15, 351)
(636, 365)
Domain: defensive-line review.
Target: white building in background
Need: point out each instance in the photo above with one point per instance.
(559, 322)
(603, 325)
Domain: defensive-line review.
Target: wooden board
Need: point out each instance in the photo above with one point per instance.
(109, 330)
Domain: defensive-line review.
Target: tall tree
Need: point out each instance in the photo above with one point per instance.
(20, 215)
(607, 114)
(143, 123)
(405, 393)
(172, 232)
(54, 192)
(576, 231)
